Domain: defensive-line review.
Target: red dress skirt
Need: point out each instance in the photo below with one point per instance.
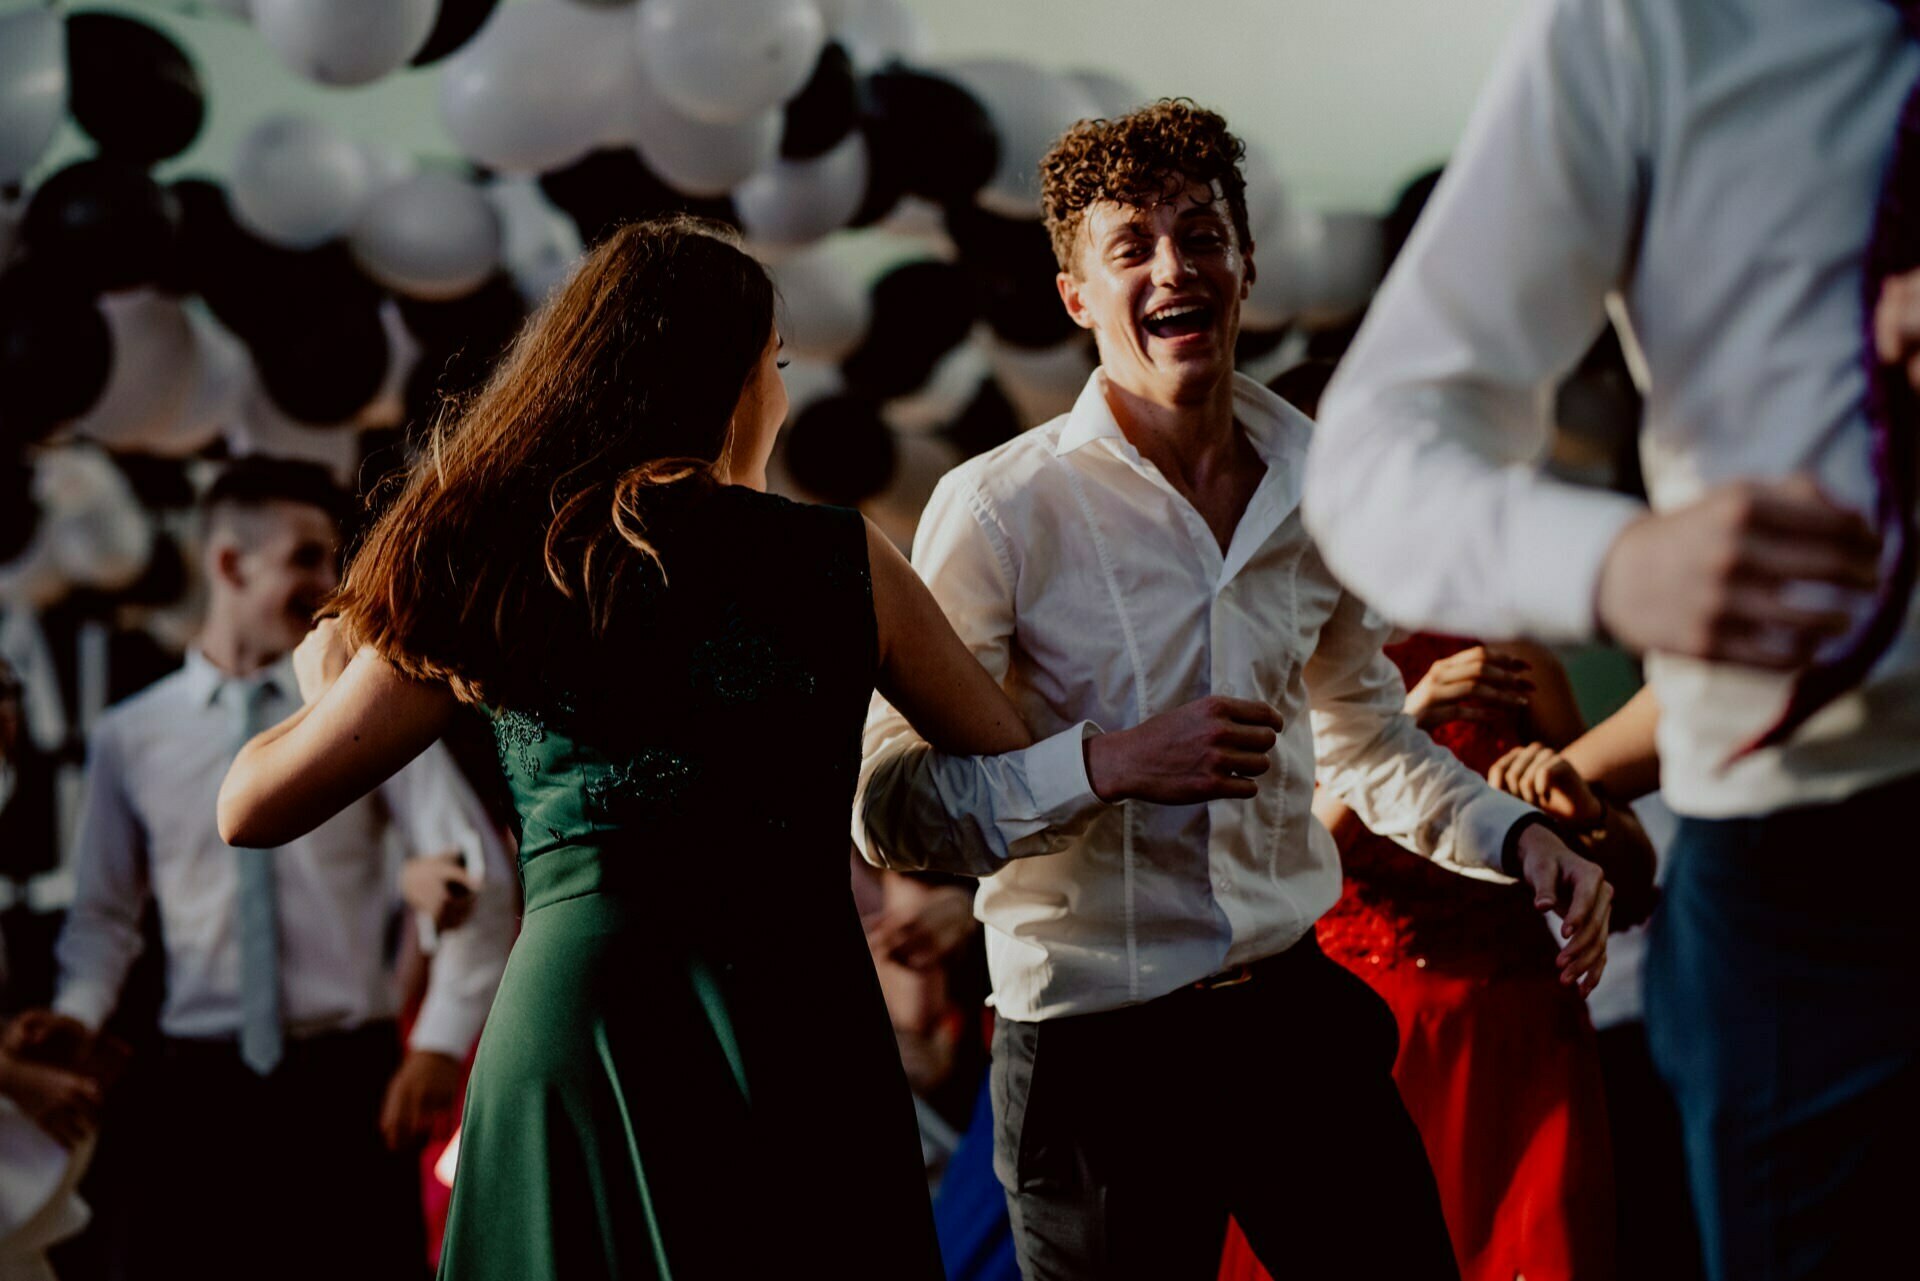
(1498, 1062)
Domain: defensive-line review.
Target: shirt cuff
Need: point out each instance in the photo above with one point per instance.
(1484, 826)
(1560, 541)
(91, 1003)
(1057, 774)
(447, 1027)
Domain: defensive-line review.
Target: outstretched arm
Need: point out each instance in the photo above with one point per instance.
(353, 734)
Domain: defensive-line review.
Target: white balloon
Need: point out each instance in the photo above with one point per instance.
(344, 42)
(96, 532)
(151, 380)
(876, 32)
(298, 183)
(534, 89)
(432, 236)
(540, 244)
(792, 202)
(1114, 95)
(262, 427)
(237, 8)
(1324, 273)
(824, 307)
(388, 165)
(694, 157)
(222, 376)
(1030, 108)
(33, 87)
(724, 61)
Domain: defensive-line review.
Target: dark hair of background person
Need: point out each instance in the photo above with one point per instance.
(1140, 160)
(252, 483)
(522, 524)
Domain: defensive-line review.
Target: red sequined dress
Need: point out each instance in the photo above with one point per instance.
(1498, 1064)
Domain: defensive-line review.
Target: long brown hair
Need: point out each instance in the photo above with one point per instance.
(523, 520)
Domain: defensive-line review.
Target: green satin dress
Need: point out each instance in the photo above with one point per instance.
(688, 1071)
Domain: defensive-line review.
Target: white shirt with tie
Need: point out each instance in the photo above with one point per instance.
(1096, 593)
(154, 771)
(1718, 166)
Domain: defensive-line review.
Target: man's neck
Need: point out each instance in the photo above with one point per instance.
(224, 645)
(1192, 443)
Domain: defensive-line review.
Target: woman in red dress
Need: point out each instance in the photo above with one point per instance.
(1498, 1063)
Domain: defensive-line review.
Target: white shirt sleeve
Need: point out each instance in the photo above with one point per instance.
(102, 938)
(919, 808)
(1372, 755)
(1421, 490)
(436, 811)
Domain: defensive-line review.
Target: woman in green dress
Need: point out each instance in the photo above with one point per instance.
(688, 1071)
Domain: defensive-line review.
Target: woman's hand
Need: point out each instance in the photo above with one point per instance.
(320, 658)
(1458, 687)
(1545, 780)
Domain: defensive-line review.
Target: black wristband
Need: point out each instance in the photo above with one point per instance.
(1510, 848)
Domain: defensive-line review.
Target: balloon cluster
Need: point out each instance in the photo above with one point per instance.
(330, 293)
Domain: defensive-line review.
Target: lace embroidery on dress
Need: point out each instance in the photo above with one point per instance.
(515, 734)
(744, 665)
(650, 781)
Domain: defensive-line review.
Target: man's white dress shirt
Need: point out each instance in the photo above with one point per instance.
(1096, 594)
(154, 771)
(1717, 165)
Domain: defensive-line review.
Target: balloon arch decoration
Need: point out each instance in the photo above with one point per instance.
(328, 296)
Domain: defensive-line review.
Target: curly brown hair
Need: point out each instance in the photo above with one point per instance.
(1145, 157)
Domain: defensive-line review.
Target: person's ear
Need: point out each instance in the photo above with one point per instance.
(1072, 300)
(226, 566)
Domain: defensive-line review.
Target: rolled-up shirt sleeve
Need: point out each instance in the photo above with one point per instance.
(1372, 755)
(1422, 490)
(918, 808)
(437, 812)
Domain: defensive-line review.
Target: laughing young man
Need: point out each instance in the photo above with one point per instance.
(1172, 1047)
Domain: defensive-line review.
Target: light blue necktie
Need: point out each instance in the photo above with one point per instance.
(257, 911)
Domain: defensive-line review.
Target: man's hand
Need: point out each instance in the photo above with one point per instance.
(46, 1037)
(1753, 572)
(320, 658)
(1896, 324)
(1476, 674)
(1577, 889)
(1209, 749)
(439, 886)
(1543, 779)
(64, 1103)
(922, 935)
(421, 1098)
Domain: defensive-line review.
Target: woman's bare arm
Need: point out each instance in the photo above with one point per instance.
(1619, 753)
(1552, 712)
(360, 732)
(927, 672)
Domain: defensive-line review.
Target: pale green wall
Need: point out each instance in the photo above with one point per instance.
(1349, 96)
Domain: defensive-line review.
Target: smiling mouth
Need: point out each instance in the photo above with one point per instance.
(1180, 320)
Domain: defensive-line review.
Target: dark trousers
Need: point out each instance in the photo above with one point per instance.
(1783, 1011)
(282, 1176)
(1124, 1139)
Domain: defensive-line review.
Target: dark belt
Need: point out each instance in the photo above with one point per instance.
(1303, 952)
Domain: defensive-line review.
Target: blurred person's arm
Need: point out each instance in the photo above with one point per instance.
(102, 936)
(1620, 754)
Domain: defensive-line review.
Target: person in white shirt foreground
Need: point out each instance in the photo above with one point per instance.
(1172, 1046)
(1710, 173)
(280, 1067)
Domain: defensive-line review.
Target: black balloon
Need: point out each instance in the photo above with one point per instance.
(105, 222)
(1012, 266)
(1255, 343)
(489, 316)
(823, 112)
(326, 363)
(55, 351)
(988, 420)
(164, 580)
(161, 483)
(921, 311)
(19, 512)
(611, 186)
(933, 137)
(257, 289)
(1301, 385)
(456, 24)
(884, 187)
(131, 88)
(840, 450)
(1397, 225)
